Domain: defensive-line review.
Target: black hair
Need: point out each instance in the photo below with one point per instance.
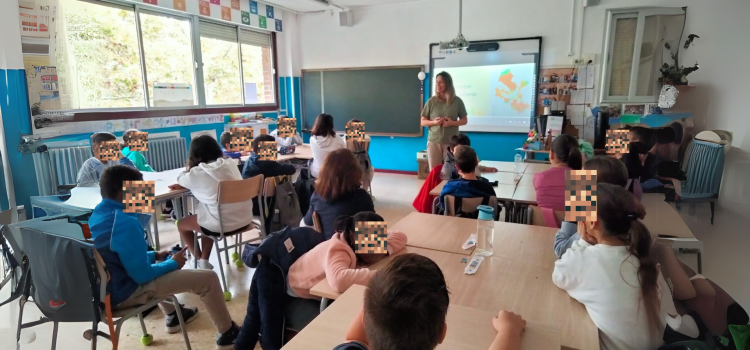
(261, 138)
(632, 160)
(618, 212)
(225, 139)
(112, 178)
(665, 135)
(323, 126)
(466, 159)
(460, 139)
(126, 135)
(100, 137)
(203, 149)
(567, 151)
(346, 224)
(406, 304)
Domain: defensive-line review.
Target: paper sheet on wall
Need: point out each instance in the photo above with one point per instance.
(582, 97)
(586, 77)
(575, 114)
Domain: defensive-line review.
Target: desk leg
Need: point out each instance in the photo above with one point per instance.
(323, 304)
(156, 228)
(700, 262)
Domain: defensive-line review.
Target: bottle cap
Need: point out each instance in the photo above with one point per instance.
(485, 212)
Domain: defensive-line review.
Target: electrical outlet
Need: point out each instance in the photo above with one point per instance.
(589, 57)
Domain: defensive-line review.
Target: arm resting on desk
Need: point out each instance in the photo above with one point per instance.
(565, 237)
(356, 331)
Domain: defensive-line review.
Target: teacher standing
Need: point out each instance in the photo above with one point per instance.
(443, 114)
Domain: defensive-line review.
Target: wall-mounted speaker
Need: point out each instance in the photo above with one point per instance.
(479, 47)
(346, 19)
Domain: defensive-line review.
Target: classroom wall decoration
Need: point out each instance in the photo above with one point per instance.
(140, 124)
(247, 12)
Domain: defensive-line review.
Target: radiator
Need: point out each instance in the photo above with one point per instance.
(62, 163)
(166, 154)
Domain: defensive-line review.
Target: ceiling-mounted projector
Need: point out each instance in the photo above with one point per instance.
(459, 42)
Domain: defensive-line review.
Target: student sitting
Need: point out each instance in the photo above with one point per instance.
(205, 169)
(468, 186)
(226, 139)
(337, 261)
(135, 156)
(641, 165)
(550, 184)
(608, 171)
(88, 175)
(405, 308)
(625, 294)
(337, 191)
(295, 140)
(449, 171)
(323, 141)
(137, 275)
(360, 149)
(269, 168)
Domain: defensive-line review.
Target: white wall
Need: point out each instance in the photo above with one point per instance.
(10, 40)
(400, 34)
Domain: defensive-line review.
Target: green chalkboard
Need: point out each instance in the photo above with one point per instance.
(387, 99)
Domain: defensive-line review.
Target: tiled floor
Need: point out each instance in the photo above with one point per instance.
(725, 260)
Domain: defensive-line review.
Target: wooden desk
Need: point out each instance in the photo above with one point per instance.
(502, 191)
(537, 168)
(501, 178)
(507, 167)
(439, 188)
(525, 243)
(468, 328)
(303, 152)
(525, 194)
(436, 232)
(663, 220)
(526, 180)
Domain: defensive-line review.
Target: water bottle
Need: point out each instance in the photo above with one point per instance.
(518, 160)
(485, 230)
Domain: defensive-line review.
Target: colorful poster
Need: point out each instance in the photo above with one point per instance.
(253, 7)
(179, 5)
(245, 17)
(235, 4)
(278, 25)
(216, 2)
(205, 8)
(226, 13)
(269, 11)
(261, 21)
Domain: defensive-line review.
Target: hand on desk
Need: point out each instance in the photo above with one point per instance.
(509, 326)
(180, 257)
(175, 187)
(162, 255)
(490, 170)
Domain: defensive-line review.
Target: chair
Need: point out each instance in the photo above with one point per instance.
(316, 222)
(544, 216)
(69, 288)
(703, 166)
(467, 205)
(234, 191)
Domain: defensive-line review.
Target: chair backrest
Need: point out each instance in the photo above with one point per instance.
(316, 222)
(468, 205)
(704, 168)
(537, 217)
(6, 217)
(237, 191)
(357, 146)
(64, 276)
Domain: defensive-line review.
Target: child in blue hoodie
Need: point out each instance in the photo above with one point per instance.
(135, 156)
(137, 275)
(468, 185)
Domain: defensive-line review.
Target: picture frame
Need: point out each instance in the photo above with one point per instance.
(634, 109)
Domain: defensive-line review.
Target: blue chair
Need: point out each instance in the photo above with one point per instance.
(703, 166)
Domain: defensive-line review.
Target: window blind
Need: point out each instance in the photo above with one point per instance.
(622, 56)
(250, 37)
(218, 31)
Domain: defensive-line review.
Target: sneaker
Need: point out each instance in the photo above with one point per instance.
(226, 340)
(205, 265)
(188, 315)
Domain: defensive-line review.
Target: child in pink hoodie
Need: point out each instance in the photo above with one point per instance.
(335, 261)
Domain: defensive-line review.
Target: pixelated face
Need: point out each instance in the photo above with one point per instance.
(618, 142)
(287, 127)
(139, 141)
(371, 237)
(355, 131)
(267, 150)
(109, 150)
(138, 196)
(580, 195)
(241, 139)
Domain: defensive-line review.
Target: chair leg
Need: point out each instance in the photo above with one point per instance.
(178, 309)
(226, 251)
(221, 267)
(143, 324)
(22, 303)
(54, 335)
(195, 244)
(713, 206)
(94, 332)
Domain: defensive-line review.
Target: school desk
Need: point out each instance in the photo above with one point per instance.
(663, 220)
(525, 194)
(468, 329)
(503, 284)
(526, 180)
(501, 177)
(536, 168)
(502, 191)
(303, 152)
(507, 167)
(436, 232)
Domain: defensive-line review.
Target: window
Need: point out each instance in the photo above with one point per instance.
(168, 56)
(102, 56)
(635, 51)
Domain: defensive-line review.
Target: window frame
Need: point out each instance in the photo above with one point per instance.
(611, 21)
(200, 107)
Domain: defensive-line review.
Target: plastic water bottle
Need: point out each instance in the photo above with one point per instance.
(485, 230)
(518, 160)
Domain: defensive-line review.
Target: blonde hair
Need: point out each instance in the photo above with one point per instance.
(450, 91)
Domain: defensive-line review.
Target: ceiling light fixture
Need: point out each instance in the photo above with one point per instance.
(459, 42)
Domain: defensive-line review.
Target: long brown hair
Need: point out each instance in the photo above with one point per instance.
(450, 91)
(340, 174)
(567, 150)
(619, 211)
(323, 126)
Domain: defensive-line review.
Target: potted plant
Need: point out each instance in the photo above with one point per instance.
(676, 74)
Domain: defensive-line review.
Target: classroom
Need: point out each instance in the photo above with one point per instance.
(374, 174)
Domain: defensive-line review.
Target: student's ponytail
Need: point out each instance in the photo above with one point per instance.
(346, 225)
(566, 149)
(620, 213)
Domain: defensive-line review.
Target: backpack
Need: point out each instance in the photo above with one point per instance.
(360, 151)
(304, 187)
(286, 210)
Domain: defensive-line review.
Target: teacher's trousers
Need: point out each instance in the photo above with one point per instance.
(436, 153)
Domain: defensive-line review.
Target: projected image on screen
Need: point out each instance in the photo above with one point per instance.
(498, 88)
